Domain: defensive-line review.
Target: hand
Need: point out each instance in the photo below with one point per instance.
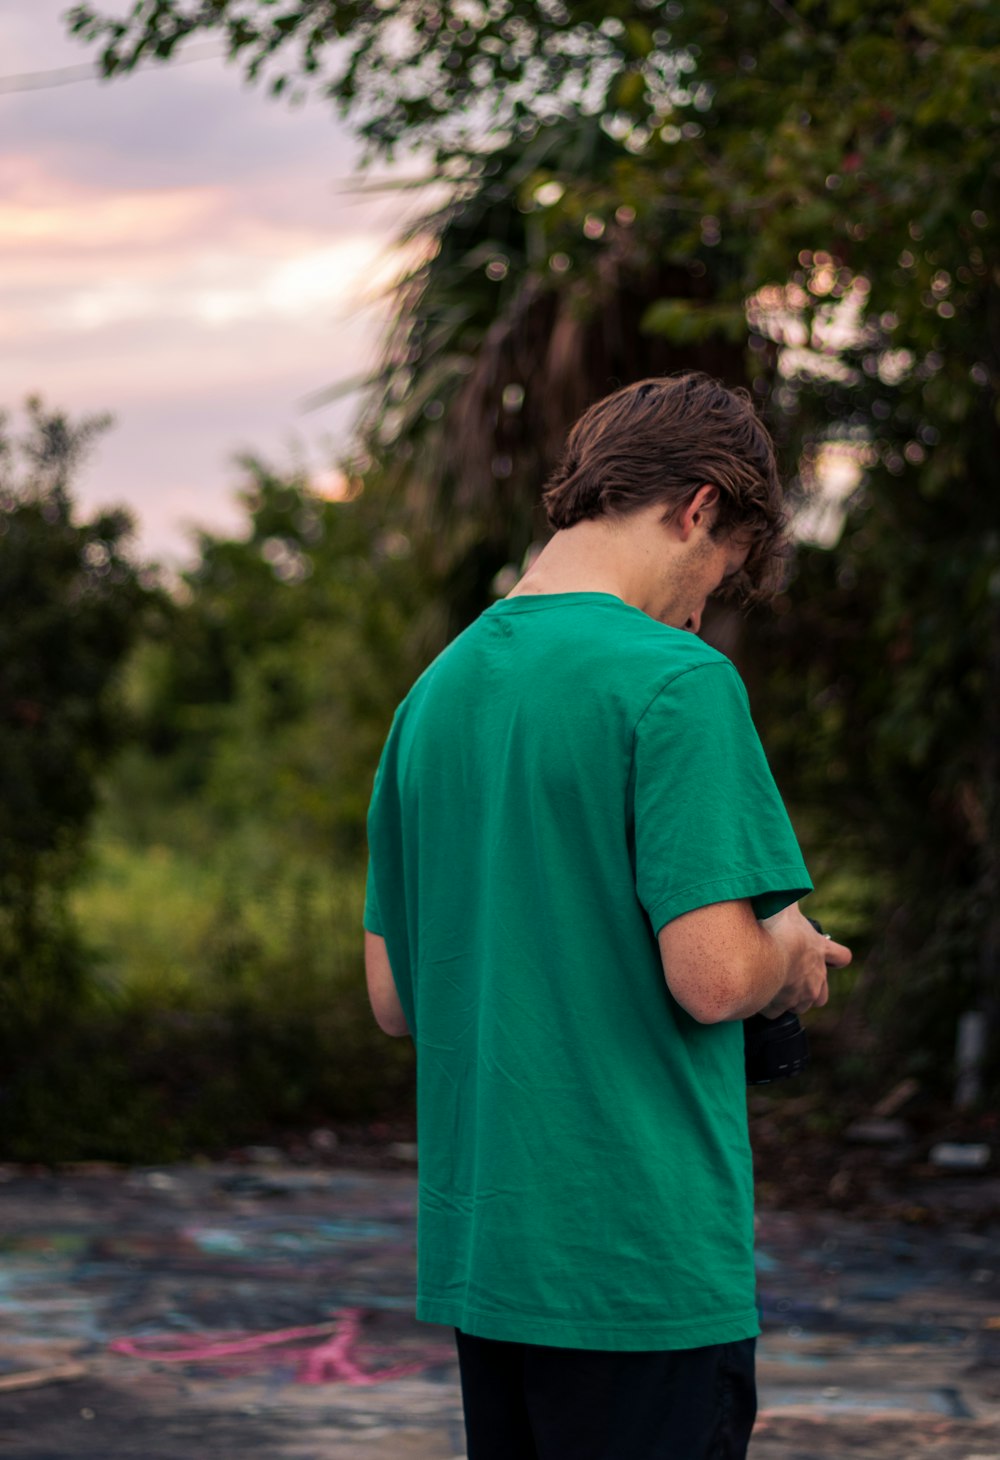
(808, 955)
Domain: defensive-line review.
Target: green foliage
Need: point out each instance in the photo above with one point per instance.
(228, 1001)
(268, 688)
(70, 597)
(441, 74)
(686, 320)
(216, 931)
(627, 179)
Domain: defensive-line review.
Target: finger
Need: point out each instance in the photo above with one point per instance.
(837, 955)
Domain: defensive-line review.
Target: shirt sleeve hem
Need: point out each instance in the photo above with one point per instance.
(788, 882)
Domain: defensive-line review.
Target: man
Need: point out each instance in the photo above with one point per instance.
(582, 878)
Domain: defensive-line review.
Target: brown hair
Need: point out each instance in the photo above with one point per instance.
(659, 440)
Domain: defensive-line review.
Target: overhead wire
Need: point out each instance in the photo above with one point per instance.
(90, 71)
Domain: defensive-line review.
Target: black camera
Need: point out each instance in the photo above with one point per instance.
(775, 1049)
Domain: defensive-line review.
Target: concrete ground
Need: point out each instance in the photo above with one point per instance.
(239, 1311)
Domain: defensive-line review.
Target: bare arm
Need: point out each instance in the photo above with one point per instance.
(382, 993)
(721, 964)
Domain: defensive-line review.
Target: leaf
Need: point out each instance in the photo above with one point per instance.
(640, 38)
(688, 321)
(629, 90)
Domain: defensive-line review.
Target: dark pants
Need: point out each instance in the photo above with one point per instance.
(528, 1402)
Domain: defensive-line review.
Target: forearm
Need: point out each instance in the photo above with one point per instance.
(382, 993)
(721, 964)
(765, 973)
(791, 974)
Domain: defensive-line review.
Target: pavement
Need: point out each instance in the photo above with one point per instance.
(236, 1310)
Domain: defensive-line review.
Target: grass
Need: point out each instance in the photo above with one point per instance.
(185, 929)
(228, 1001)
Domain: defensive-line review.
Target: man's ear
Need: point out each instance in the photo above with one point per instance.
(699, 510)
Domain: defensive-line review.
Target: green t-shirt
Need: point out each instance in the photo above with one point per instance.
(564, 779)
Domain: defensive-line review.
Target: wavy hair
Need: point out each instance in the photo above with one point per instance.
(660, 440)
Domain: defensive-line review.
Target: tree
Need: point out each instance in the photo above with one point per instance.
(70, 601)
(818, 183)
(442, 74)
(265, 687)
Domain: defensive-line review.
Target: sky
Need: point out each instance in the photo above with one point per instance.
(183, 251)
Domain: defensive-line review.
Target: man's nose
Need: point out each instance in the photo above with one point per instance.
(693, 624)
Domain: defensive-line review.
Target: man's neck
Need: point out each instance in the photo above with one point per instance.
(587, 558)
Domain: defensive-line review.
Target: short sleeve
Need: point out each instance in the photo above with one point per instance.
(710, 825)
(372, 917)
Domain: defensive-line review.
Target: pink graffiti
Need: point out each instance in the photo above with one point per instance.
(325, 1363)
(332, 1360)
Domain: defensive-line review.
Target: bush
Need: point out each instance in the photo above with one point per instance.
(230, 1002)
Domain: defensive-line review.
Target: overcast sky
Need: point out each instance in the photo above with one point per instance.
(180, 250)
